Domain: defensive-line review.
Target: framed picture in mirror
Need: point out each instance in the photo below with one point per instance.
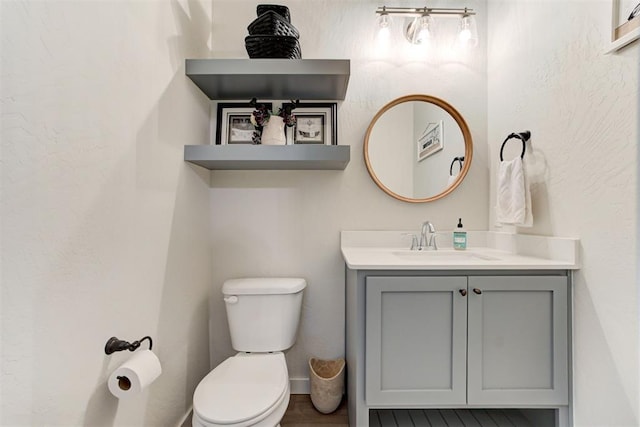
(430, 140)
(316, 123)
(625, 23)
(233, 125)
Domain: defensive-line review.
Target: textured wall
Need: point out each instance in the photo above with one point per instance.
(103, 224)
(394, 126)
(104, 227)
(547, 73)
(288, 222)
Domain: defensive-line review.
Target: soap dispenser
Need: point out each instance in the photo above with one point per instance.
(459, 236)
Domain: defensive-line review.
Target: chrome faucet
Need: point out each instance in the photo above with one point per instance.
(428, 237)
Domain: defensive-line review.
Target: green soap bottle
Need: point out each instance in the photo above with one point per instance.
(459, 237)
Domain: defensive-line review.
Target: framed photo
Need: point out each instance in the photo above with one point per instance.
(316, 123)
(625, 23)
(431, 140)
(234, 123)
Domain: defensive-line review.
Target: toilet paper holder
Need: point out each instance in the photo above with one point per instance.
(114, 344)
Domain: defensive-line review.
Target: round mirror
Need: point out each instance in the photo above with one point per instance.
(418, 148)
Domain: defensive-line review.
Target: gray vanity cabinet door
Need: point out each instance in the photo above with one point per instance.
(415, 341)
(518, 340)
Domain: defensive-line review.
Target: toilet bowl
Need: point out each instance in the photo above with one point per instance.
(244, 390)
(252, 387)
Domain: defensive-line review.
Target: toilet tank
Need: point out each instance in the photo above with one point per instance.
(263, 313)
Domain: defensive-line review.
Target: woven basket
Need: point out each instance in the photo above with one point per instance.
(279, 9)
(267, 46)
(273, 24)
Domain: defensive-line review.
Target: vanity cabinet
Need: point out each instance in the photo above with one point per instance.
(440, 340)
(458, 340)
(518, 340)
(416, 341)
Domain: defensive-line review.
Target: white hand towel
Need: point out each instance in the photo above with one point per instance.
(514, 196)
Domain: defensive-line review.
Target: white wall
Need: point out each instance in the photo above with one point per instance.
(391, 149)
(288, 222)
(106, 231)
(104, 227)
(547, 73)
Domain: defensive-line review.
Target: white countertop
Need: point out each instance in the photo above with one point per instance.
(486, 250)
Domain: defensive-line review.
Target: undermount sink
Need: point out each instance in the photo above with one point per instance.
(442, 255)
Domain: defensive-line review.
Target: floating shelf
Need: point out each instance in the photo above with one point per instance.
(259, 157)
(243, 79)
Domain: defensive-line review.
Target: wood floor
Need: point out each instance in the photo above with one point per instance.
(301, 413)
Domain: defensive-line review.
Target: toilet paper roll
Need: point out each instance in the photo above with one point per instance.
(135, 374)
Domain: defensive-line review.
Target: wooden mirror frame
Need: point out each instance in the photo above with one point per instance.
(468, 145)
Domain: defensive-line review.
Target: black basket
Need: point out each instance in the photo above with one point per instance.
(272, 23)
(279, 9)
(268, 46)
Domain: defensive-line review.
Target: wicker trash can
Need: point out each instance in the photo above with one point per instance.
(327, 383)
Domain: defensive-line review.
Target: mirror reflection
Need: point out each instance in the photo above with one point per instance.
(418, 148)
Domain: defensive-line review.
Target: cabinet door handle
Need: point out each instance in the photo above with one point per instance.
(477, 291)
(463, 292)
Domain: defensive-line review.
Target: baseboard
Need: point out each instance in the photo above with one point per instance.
(186, 419)
(299, 386)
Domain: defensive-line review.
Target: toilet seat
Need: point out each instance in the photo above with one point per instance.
(242, 390)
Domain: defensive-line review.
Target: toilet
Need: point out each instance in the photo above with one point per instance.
(252, 387)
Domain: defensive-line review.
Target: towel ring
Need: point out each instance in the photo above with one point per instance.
(455, 159)
(522, 136)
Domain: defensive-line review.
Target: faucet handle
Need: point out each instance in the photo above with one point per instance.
(432, 241)
(414, 240)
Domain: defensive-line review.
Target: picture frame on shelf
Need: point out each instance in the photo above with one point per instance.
(625, 23)
(316, 123)
(233, 123)
(431, 140)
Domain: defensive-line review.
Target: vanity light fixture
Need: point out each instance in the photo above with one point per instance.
(467, 31)
(420, 23)
(420, 29)
(384, 24)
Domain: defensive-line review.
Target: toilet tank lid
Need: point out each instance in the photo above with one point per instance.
(263, 286)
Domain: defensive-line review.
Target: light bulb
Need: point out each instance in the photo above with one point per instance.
(382, 36)
(419, 30)
(384, 20)
(384, 27)
(467, 32)
(426, 29)
(464, 35)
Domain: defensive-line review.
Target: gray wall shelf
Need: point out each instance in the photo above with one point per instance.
(263, 157)
(243, 79)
